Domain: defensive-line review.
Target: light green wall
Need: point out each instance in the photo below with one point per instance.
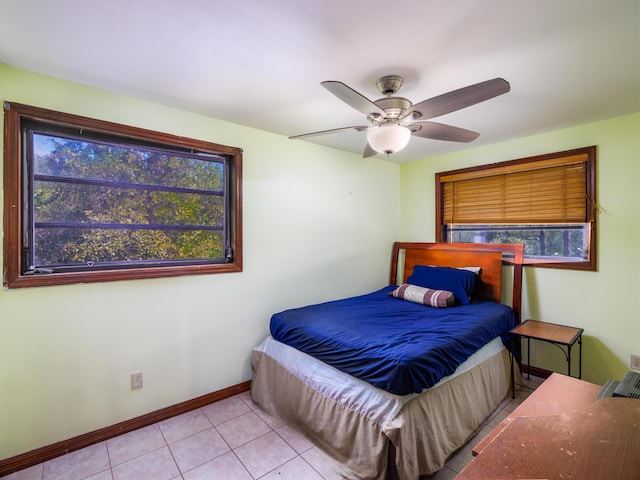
(318, 224)
(605, 303)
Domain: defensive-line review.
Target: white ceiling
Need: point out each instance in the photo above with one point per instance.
(260, 62)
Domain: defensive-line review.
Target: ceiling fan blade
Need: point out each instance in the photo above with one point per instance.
(458, 99)
(369, 151)
(352, 98)
(359, 128)
(440, 131)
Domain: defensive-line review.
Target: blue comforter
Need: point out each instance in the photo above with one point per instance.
(396, 345)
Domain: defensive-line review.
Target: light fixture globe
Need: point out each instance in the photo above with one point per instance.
(388, 138)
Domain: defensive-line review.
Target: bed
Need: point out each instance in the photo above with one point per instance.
(361, 387)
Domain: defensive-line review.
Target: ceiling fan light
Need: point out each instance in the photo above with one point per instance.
(388, 138)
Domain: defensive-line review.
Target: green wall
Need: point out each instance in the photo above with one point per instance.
(318, 224)
(606, 303)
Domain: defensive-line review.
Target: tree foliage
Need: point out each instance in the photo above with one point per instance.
(538, 242)
(86, 194)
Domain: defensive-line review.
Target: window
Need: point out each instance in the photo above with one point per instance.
(88, 201)
(547, 202)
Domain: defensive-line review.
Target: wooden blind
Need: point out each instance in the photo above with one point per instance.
(540, 192)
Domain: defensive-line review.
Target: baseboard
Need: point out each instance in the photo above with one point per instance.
(39, 455)
(536, 371)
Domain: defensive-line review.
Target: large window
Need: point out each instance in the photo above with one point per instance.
(547, 202)
(87, 200)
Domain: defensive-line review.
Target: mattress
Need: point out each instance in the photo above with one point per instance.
(395, 345)
(376, 404)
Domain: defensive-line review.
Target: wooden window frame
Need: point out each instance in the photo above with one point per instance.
(521, 164)
(13, 276)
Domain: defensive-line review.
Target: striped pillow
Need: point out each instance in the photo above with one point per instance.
(425, 296)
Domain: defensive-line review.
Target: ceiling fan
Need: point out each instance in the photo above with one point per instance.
(394, 119)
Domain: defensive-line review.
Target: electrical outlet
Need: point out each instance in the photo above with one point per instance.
(136, 381)
(635, 362)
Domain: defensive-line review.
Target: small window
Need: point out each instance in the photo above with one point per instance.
(87, 200)
(548, 203)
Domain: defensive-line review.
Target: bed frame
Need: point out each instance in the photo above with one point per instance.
(426, 420)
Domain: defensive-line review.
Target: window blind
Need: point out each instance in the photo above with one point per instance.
(540, 192)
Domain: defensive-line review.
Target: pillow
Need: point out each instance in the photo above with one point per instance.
(425, 296)
(459, 282)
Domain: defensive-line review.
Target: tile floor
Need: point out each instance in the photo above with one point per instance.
(228, 440)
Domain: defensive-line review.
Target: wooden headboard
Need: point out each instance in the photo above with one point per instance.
(489, 256)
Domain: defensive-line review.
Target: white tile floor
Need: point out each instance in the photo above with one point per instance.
(228, 440)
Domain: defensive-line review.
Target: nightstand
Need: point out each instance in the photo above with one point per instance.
(558, 335)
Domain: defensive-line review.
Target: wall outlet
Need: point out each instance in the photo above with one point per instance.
(136, 380)
(635, 362)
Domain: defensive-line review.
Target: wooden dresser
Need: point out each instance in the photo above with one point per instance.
(562, 431)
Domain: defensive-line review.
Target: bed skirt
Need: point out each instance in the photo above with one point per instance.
(357, 432)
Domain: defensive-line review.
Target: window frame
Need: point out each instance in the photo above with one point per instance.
(590, 264)
(14, 176)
